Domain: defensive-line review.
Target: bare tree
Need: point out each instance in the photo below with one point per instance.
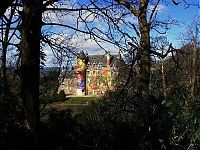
(161, 45)
(191, 39)
(7, 35)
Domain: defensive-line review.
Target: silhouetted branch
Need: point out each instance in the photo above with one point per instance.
(153, 12)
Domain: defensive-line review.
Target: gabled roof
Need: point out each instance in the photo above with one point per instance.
(115, 60)
(98, 59)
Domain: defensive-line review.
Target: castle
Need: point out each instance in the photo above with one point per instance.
(92, 75)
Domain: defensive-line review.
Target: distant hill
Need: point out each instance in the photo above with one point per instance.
(46, 70)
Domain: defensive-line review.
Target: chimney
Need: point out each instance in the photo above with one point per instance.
(108, 59)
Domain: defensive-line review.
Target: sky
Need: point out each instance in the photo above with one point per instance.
(183, 15)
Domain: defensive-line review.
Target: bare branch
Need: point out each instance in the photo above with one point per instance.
(128, 6)
(48, 3)
(68, 9)
(153, 12)
(171, 49)
(175, 3)
(135, 29)
(13, 44)
(67, 26)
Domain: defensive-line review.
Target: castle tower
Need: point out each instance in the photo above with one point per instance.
(81, 74)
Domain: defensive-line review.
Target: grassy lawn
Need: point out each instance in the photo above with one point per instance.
(81, 100)
(76, 104)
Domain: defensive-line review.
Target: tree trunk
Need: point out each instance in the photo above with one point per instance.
(193, 73)
(144, 68)
(3, 63)
(144, 50)
(30, 63)
(192, 77)
(163, 79)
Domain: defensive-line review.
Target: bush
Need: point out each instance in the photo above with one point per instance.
(120, 121)
(11, 120)
(55, 97)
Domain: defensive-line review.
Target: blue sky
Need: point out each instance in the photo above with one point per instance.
(182, 14)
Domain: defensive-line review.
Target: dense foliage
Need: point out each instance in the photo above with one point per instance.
(49, 88)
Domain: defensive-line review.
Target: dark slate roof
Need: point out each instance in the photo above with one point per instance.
(97, 59)
(116, 60)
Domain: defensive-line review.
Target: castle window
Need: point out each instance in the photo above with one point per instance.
(99, 65)
(89, 65)
(94, 64)
(88, 72)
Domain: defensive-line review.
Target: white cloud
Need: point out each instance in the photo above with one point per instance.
(160, 8)
(87, 44)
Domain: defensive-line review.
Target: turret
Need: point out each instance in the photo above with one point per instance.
(81, 73)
